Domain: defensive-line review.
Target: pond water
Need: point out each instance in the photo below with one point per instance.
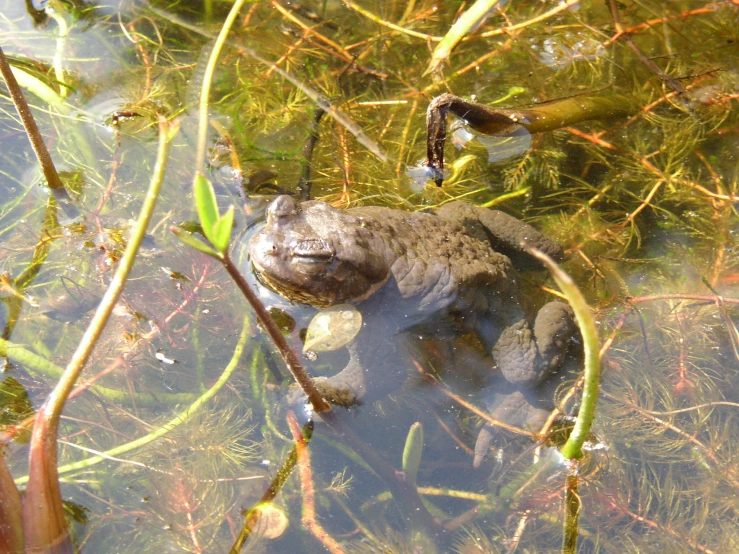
(181, 426)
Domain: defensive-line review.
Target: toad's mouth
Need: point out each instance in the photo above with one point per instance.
(315, 251)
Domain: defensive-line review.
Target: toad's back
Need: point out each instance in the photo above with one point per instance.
(436, 261)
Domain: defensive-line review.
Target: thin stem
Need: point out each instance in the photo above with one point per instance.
(467, 23)
(591, 346)
(208, 79)
(42, 509)
(32, 130)
(305, 183)
(57, 14)
(265, 320)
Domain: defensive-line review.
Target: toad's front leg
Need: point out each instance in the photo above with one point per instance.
(376, 368)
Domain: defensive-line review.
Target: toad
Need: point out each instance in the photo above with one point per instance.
(433, 274)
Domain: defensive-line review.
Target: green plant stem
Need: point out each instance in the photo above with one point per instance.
(467, 22)
(43, 516)
(591, 345)
(57, 14)
(265, 320)
(207, 80)
(40, 89)
(29, 123)
(179, 419)
(38, 365)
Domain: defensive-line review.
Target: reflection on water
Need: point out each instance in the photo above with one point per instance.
(499, 147)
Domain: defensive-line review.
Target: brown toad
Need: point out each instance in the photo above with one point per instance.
(437, 274)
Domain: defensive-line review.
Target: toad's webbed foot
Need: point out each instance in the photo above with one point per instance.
(346, 388)
(526, 355)
(513, 409)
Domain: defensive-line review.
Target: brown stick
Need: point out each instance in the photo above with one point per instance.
(266, 321)
(32, 130)
(497, 121)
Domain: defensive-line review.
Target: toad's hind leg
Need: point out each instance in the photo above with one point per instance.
(527, 355)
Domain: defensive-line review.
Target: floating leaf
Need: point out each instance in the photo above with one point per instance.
(284, 320)
(332, 328)
(272, 521)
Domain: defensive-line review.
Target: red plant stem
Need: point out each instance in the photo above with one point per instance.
(11, 527)
(189, 297)
(708, 8)
(306, 486)
(700, 297)
(654, 525)
(44, 526)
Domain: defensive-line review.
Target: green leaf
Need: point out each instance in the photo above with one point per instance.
(412, 453)
(222, 231)
(205, 202)
(194, 242)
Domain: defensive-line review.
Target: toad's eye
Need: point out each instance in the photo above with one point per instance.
(283, 206)
(314, 250)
